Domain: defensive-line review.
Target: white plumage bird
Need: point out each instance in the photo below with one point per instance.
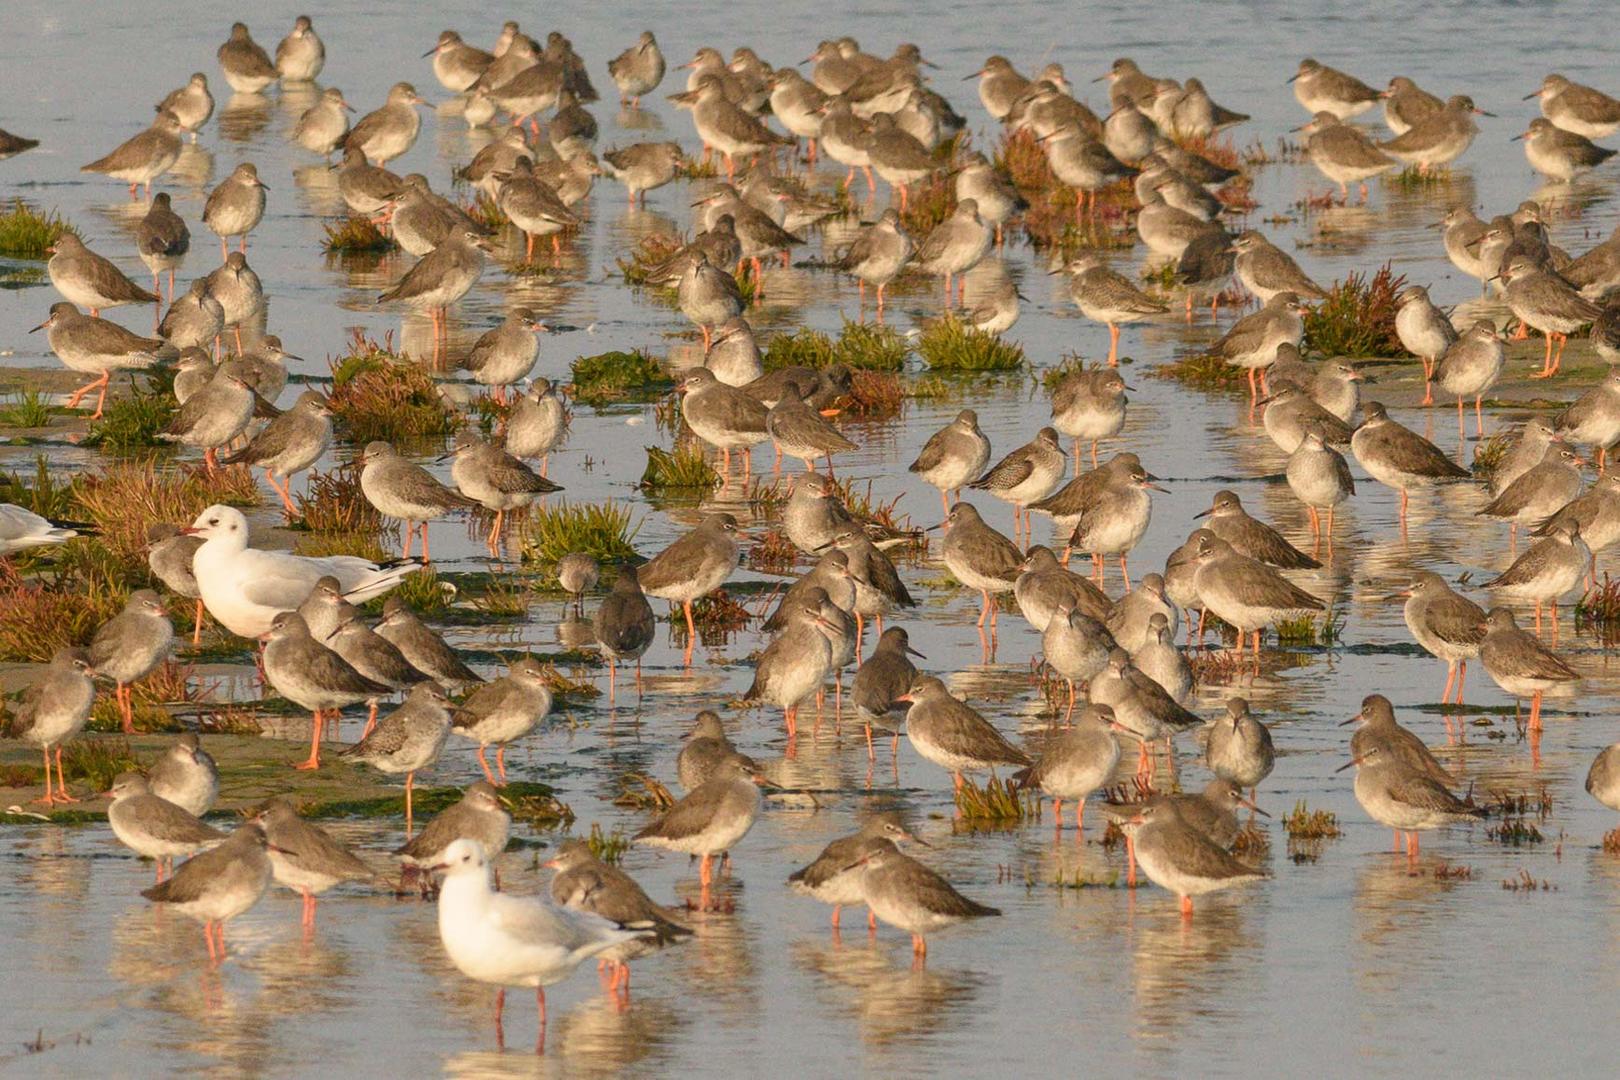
(509, 940)
(246, 587)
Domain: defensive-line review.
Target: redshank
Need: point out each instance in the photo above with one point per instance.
(1179, 858)
(710, 819)
(796, 663)
(584, 882)
(503, 711)
(130, 646)
(478, 815)
(421, 647)
(186, 775)
(90, 280)
(952, 734)
(1228, 520)
(53, 710)
(1244, 593)
(1401, 797)
(706, 747)
(1027, 475)
(405, 491)
(144, 157)
(1323, 89)
(305, 857)
(906, 894)
(1448, 626)
(407, 740)
(1075, 763)
(87, 344)
(692, 567)
(624, 626)
(246, 65)
(307, 673)
(1398, 457)
(836, 876)
(1518, 663)
(235, 207)
(638, 70)
(219, 884)
(153, 827)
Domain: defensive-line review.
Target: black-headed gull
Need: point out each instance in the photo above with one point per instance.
(245, 587)
(509, 940)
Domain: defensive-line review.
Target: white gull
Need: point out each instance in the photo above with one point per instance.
(245, 587)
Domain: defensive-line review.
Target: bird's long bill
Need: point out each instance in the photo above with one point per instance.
(1346, 765)
(279, 850)
(914, 652)
(1250, 804)
(1356, 719)
(1291, 78)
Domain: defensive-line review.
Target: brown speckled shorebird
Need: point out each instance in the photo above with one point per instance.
(1074, 764)
(407, 740)
(162, 240)
(1446, 624)
(624, 626)
(1399, 457)
(692, 567)
(1177, 857)
(1109, 298)
(1521, 665)
(305, 857)
(1027, 475)
(421, 647)
(585, 883)
(220, 884)
(53, 710)
(904, 893)
(1089, 404)
(710, 819)
(1343, 154)
(638, 70)
(952, 456)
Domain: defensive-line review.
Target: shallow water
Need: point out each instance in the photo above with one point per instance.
(1350, 962)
